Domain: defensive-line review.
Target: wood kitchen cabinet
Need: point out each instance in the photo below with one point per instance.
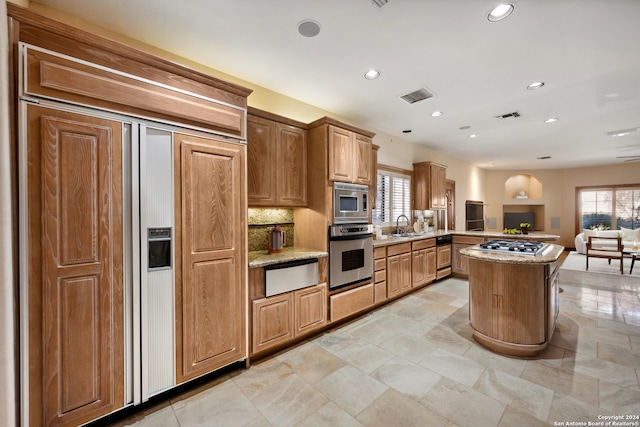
(380, 274)
(429, 184)
(276, 161)
(75, 246)
(279, 319)
(423, 263)
(443, 260)
(80, 193)
(398, 269)
(459, 262)
(210, 246)
(349, 155)
(373, 189)
(513, 306)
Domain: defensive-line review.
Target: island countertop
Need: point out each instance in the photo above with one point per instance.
(550, 254)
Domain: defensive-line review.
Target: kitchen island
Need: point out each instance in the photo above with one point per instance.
(513, 299)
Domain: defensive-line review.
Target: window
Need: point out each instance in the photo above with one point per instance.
(609, 208)
(393, 197)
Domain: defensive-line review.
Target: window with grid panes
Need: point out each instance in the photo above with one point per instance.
(393, 198)
(609, 208)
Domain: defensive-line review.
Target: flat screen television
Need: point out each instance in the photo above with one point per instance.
(514, 219)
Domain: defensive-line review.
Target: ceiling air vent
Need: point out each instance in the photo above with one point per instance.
(379, 3)
(417, 95)
(513, 115)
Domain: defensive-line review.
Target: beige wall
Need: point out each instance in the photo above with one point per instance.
(558, 192)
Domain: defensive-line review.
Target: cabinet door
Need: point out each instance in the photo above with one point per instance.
(420, 186)
(460, 263)
(394, 275)
(362, 159)
(261, 149)
(444, 256)
(419, 267)
(210, 288)
(340, 154)
(405, 267)
(438, 186)
(290, 166)
(75, 283)
(310, 308)
(432, 268)
(522, 318)
(483, 299)
(272, 321)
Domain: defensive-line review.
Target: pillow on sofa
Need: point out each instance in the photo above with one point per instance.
(629, 234)
(587, 233)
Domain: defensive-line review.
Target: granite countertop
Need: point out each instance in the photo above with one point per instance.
(264, 258)
(550, 254)
(390, 240)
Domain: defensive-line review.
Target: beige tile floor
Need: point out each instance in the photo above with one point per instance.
(415, 363)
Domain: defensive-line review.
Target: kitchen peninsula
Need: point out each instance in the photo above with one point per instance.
(513, 299)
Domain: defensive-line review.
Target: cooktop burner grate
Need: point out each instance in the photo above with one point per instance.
(515, 247)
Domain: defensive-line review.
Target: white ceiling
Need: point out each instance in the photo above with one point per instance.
(586, 51)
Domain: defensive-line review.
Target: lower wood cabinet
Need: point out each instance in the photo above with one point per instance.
(423, 263)
(379, 274)
(443, 260)
(398, 269)
(460, 263)
(281, 318)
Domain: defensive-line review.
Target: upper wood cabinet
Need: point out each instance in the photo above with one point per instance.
(276, 161)
(349, 156)
(430, 186)
(347, 148)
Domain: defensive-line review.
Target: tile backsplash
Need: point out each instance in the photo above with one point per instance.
(261, 220)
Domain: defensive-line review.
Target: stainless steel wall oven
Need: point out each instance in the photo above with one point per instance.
(350, 254)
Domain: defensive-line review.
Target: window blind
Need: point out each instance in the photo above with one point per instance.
(393, 197)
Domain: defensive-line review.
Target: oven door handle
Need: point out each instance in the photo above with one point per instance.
(352, 237)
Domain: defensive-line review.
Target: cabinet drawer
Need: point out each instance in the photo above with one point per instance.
(351, 302)
(399, 249)
(380, 264)
(445, 272)
(423, 244)
(380, 276)
(379, 252)
(469, 240)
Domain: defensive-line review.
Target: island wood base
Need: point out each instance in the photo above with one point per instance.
(513, 305)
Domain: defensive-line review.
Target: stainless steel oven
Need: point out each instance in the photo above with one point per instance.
(350, 203)
(350, 254)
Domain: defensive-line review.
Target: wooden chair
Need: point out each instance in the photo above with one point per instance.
(597, 247)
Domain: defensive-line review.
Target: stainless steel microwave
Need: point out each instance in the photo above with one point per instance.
(350, 203)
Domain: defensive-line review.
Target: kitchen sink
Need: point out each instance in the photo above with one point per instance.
(404, 234)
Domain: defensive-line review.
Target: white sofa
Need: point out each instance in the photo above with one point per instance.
(628, 238)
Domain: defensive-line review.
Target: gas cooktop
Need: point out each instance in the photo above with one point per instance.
(514, 247)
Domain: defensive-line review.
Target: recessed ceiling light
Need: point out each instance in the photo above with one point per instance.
(551, 120)
(500, 12)
(622, 132)
(535, 85)
(308, 28)
(436, 114)
(372, 74)
(473, 135)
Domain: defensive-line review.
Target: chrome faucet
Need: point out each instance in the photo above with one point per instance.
(398, 223)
